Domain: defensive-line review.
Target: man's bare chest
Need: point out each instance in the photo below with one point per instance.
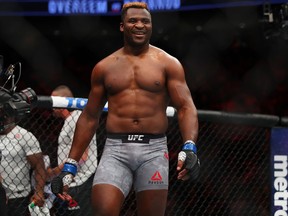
(141, 75)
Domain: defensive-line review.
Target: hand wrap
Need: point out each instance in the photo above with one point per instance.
(65, 177)
(189, 156)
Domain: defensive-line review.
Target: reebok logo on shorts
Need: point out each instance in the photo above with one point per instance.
(156, 178)
(73, 205)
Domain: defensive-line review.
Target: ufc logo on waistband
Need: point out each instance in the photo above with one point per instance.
(135, 137)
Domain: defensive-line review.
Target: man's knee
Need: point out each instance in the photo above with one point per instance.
(107, 200)
(151, 202)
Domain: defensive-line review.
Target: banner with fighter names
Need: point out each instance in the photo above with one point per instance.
(113, 7)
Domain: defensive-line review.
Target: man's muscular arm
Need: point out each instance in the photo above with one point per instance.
(86, 126)
(187, 118)
(89, 119)
(37, 164)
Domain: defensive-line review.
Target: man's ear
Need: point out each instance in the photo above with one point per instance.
(121, 27)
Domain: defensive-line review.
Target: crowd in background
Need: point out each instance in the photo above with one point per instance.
(233, 61)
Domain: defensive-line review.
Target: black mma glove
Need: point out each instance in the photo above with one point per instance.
(188, 155)
(65, 177)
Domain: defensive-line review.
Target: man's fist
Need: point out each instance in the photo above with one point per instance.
(65, 178)
(187, 159)
(57, 184)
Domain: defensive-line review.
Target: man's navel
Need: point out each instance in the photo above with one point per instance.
(136, 121)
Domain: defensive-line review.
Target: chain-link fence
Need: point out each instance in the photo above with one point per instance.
(234, 156)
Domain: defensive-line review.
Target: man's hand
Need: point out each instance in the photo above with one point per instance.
(38, 198)
(188, 162)
(59, 184)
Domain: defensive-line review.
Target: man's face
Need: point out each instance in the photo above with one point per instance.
(137, 26)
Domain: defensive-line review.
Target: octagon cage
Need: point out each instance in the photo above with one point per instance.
(234, 154)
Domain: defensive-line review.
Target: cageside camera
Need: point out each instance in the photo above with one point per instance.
(13, 104)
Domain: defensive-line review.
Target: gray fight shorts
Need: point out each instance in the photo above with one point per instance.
(134, 159)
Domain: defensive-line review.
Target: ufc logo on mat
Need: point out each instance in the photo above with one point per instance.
(135, 137)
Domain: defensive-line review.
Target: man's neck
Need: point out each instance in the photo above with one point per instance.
(136, 50)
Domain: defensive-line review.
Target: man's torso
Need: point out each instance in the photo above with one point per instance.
(137, 93)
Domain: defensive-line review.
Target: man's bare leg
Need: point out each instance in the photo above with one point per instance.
(107, 200)
(151, 202)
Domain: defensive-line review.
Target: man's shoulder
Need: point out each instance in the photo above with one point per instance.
(167, 59)
(162, 53)
(21, 133)
(115, 55)
(107, 61)
(19, 129)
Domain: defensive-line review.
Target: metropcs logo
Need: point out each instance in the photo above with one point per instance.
(280, 185)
